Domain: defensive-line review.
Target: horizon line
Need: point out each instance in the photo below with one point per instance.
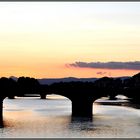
(68, 77)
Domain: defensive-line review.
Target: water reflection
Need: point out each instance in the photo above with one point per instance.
(82, 123)
(1, 122)
(81, 119)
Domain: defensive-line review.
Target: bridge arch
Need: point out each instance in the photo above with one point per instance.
(59, 103)
(82, 96)
(81, 106)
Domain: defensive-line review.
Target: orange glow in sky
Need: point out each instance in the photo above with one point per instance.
(38, 39)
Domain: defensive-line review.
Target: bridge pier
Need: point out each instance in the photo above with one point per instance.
(82, 108)
(43, 96)
(1, 113)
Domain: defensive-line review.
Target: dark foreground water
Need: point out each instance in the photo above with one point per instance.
(31, 117)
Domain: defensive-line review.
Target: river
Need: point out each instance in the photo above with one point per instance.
(31, 117)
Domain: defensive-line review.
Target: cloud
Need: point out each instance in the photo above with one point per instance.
(132, 65)
(101, 73)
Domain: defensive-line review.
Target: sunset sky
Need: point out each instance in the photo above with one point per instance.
(69, 39)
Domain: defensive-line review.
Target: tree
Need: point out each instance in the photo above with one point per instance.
(28, 85)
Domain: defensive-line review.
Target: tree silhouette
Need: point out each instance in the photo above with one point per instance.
(27, 85)
(111, 87)
(132, 88)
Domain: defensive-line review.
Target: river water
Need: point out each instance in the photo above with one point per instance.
(29, 117)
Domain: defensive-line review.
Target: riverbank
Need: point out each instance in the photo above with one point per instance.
(117, 102)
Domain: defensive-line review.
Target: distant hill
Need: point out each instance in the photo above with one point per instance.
(122, 78)
(67, 79)
(71, 79)
(14, 78)
(49, 81)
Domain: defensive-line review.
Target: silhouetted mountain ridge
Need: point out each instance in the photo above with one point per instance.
(70, 79)
(49, 81)
(14, 78)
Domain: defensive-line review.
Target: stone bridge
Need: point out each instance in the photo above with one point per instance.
(81, 95)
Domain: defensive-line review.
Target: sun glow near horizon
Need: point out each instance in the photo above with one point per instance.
(38, 39)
